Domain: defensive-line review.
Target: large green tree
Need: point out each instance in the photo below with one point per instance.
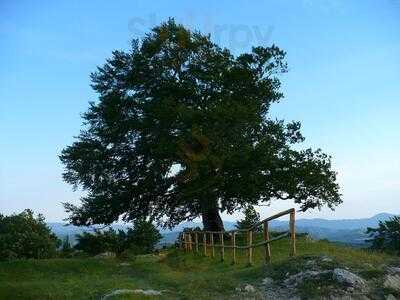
(181, 129)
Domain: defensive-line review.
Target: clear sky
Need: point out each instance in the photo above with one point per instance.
(343, 85)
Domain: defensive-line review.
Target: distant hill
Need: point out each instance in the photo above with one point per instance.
(345, 224)
(348, 231)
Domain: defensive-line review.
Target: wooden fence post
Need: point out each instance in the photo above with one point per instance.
(250, 247)
(190, 241)
(196, 239)
(267, 246)
(221, 236)
(185, 241)
(234, 247)
(212, 244)
(292, 233)
(205, 243)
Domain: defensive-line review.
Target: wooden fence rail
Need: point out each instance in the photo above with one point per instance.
(192, 238)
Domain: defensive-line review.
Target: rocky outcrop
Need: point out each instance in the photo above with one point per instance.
(301, 277)
(392, 282)
(321, 272)
(323, 277)
(349, 279)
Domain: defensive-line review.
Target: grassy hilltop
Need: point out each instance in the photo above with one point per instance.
(180, 275)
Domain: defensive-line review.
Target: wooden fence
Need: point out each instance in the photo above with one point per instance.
(191, 241)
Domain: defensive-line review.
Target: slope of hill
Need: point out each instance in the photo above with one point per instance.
(174, 274)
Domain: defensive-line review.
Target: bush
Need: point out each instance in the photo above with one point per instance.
(387, 236)
(99, 241)
(140, 239)
(24, 236)
(144, 236)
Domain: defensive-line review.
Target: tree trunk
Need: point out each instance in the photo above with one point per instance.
(211, 219)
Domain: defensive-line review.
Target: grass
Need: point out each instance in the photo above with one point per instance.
(179, 275)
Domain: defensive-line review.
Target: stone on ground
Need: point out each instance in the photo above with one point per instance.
(349, 279)
(248, 288)
(268, 281)
(106, 255)
(392, 282)
(128, 292)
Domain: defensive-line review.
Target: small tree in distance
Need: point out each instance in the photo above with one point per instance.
(387, 236)
(251, 217)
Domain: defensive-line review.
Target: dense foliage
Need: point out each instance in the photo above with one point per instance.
(251, 217)
(140, 239)
(99, 241)
(144, 236)
(24, 236)
(387, 236)
(182, 129)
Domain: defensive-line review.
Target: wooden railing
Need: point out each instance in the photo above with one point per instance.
(191, 241)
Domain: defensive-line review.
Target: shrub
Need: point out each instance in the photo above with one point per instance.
(387, 236)
(140, 239)
(99, 241)
(24, 236)
(143, 237)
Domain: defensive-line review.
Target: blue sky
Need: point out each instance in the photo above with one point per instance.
(343, 85)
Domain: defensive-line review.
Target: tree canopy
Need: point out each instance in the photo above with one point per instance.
(181, 129)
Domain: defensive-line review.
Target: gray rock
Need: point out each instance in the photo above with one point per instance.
(349, 297)
(393, 270)
(248, 288)
(148, 292)
(349, 279)
(392, 282)
(106, 255)
(310, 264)
(299, 278)
(326, 258)
(277, 292)
(124, 264)
(268, 281)
(129, 292)
(118, 293)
